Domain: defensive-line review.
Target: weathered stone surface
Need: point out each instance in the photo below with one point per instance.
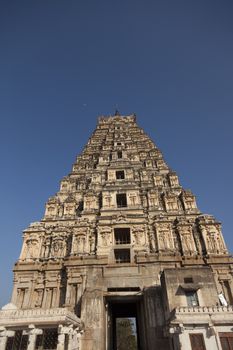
(121, 237)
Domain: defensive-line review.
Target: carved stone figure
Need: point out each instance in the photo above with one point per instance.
(58, 248)
(164, 236)
(138, 233)
(31, 250)
(105, 235)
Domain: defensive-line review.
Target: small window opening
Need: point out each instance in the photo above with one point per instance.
(188, 280)
(119, 154)
(192, 299)
(120, 174)
(122, 235)
(80, 206)
(121, 200)
(100, 200)
(122, 256)
(124, 289)
(118, 143)
(110, 156)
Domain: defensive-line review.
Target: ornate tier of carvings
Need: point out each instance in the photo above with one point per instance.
(70, 207)
(185, 231)
(171, 202)
(104, 236)
(32, 243)
(189, 201)
(58, 246)
(109, 200)
(173, 179)
(91, 201)
(158, 180)
(119, 218)
(212, 235)
(52, 208)
(133, 198)
(139, 235)
(80, 241)
(164, 234)
(153, 198)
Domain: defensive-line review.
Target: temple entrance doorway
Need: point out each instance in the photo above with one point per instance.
(124, 324)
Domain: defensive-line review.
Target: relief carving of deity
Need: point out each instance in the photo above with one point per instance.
(133, 198)
(186, 237)
(79, 243)
(152, 241)
(105, 234)
(187, 243)
(69, 209)
(139, 235)
(39, 297)
(92, 243)
(213, 239)
(171, 203)
(51, 210)
(31, 249)
(108, 199)
(165, 238)
(153, 199)
(46, 248)
(58, 249)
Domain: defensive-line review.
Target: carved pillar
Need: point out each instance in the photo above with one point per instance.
(3, 338)
(32, 336)
(68, 294)
(26, 298)
(61, 341)
(62, 332)
(4, 334)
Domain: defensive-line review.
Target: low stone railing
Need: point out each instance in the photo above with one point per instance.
(34, 312)
(34, 316)
(203, 309)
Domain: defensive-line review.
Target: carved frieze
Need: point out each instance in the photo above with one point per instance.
(171, 202)
(31, 248)
(153, 198)
(52, 207)
(189, 201)
(158, 180)
(185, 231)
(90, 201)
(80, 242)
(70, 207)
(139, 235)
(104, 236)
(173, 180)
(164, 234)
(133, 197)
(211, 234)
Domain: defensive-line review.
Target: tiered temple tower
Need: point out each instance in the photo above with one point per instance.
(121, 239)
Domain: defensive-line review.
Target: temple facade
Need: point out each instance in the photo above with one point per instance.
(121, 239)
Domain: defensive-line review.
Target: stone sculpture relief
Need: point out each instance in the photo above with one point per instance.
(31, 248)
(164, 237)
(58, 247)
(186, 238)
(105, 234)
(138, 233)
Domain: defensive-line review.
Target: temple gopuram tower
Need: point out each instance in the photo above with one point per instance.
(121, 247)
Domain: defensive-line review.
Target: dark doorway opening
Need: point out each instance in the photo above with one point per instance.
(124, 325)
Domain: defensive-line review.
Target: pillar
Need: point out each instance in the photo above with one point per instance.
(62, 331)
(32, 336)
(4, 334)
(3, 338)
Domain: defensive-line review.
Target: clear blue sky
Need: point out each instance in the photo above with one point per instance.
(63, 63)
